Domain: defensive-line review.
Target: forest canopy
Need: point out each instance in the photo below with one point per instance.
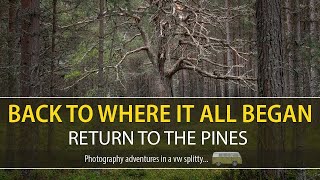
(163, 48)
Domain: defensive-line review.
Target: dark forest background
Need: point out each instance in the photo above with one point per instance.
(161, 48)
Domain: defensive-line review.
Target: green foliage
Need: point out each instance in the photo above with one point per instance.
(125, 3)
(315, 44)
(116, 174)
(72, 75)
(9, 174)
(135, 173)
(132, 174)
(308, 46)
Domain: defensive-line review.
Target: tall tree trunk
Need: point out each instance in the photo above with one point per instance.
(53, 47)
(270, 79)
(165, 83)
(101, 47)
(290, 63)
(230, 87)
(240, 90)
(270, 53)
(297, 62)
(110, 59)
(162, 57)
(314, 61)
(25, 74)
(30, 49)
(12, 48)
(36, 64)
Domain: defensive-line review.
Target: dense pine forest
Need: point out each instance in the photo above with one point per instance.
(161, 48)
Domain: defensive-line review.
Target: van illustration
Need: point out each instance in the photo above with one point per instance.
(233, 158)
